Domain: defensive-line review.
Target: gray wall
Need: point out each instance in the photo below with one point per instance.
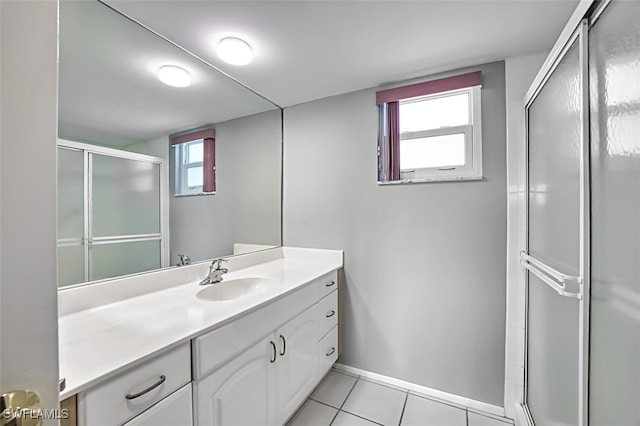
(246, 207)
(424, 263)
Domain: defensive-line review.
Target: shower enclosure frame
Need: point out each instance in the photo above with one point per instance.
(87, 241)
(577, 29)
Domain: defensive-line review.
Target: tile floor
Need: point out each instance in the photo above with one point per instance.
(345, 400)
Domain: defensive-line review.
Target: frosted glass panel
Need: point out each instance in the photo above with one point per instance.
(70, 217)
(554, 168)
(434, 151)
(70, 265)
(70, 193)
(614, 62)
(435, 113)
(126, 197)
(554, 238)
(112, 260)
(552, 350)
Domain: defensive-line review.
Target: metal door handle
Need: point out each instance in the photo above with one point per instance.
(331, 351)
(146, 390)
(284, 345)
(330, 313)
(547, 275)
(330, 284)
(273, 346)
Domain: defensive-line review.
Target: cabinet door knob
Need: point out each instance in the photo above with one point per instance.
(146, 390)
(329, 284)
(284, 345)
(330, 313)
(331, 351)
(273, 346)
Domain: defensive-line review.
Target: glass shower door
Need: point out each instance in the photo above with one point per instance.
(614, 63)
(555, 239)
(125, 216)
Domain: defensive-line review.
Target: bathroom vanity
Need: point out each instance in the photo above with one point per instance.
(157, 348)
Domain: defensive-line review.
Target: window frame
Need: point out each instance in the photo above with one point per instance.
(185, 165)
(472, 169)
(180, 165)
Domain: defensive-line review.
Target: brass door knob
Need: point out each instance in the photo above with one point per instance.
(20, 408)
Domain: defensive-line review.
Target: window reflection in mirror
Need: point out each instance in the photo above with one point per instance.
(111, 97)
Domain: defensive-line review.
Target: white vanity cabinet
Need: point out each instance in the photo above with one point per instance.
(297, 362)
(240, 392)
(269, 378)
(255, 368)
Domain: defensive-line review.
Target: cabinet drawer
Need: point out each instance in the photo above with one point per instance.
(328, 351)
(176, 409)
(327, 314)
(328, 283)
(130, 393)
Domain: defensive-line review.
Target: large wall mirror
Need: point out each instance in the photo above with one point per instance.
(120, 210)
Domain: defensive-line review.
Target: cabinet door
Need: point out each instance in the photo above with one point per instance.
(297, 362)
(240, 393)
(173, 410)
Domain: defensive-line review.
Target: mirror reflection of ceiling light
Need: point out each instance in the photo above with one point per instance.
(234, 51)
(174, 76)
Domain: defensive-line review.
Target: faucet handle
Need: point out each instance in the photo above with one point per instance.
(183, 260)
(217, 263)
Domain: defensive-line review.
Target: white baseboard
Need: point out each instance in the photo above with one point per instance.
(477, 406)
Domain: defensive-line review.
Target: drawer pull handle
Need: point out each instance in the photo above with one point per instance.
(147, 390)
(329, 284)
(331, 351)
(284, 345)
(330, 313)
(273, 346)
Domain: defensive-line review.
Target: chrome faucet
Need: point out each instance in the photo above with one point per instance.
(215, 272)
(183, 260)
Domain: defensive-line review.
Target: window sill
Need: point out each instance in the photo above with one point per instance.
(430, 180)
(195, 195)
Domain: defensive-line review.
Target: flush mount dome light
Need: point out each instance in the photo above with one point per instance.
(174, 76)
(234, 51)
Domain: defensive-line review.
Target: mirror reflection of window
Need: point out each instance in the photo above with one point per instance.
(193, 159)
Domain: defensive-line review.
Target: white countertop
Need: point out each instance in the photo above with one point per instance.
(103, 340)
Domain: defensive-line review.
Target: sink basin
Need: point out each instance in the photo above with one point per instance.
(233, 289)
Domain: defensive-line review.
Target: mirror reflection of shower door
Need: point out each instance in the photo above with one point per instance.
(124, 216)
(110, 213)
(557, 243)
(71, 248)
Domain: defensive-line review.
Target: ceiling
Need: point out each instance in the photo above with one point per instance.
(306, 50)
(109, 93)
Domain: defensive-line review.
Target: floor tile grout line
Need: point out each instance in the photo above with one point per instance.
(406, 398)
(323, 403)
(334, 417)
(349, 394)
(360, 417)
(345, 400)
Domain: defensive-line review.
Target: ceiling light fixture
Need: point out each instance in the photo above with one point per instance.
(174, 76)
(234, 51)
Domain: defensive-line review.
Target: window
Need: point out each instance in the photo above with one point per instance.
(193, 156)
(431, 131)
